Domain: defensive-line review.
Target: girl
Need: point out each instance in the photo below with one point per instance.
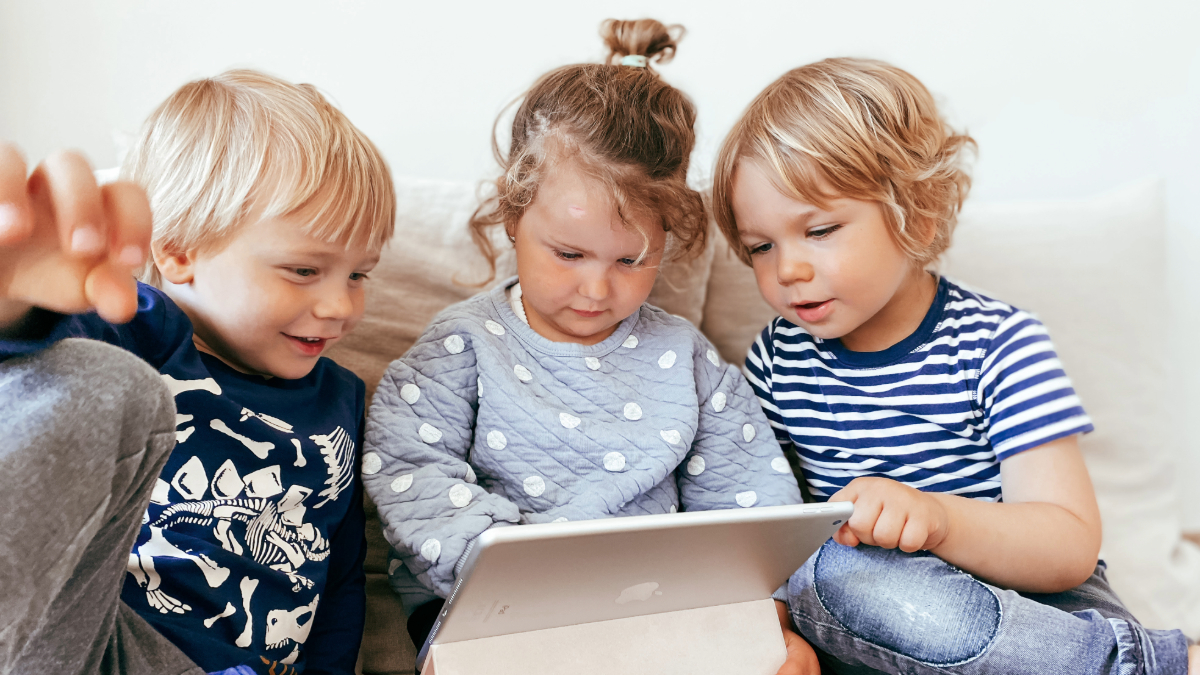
(943, 415)
(560, 394)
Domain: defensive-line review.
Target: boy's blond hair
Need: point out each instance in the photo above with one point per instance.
(859, 129)
(244, 143)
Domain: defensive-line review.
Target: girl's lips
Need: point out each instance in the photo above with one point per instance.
(813, 312)
(588, 315)
(308, 347)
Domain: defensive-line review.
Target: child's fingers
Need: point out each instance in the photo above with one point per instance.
(112, 290)
(846, 537)
(888, 527)
(914, 536)
(16, 221)
(75, 198)
(862, 522)
(128, 214)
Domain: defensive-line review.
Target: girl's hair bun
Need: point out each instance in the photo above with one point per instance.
(643, 37)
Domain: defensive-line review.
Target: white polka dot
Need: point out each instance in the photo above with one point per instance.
(667, 360)
(479, 386)
(523, 373)
(748, 432)
(470, 477)
(630, 342)
(454, 344)
(496, 440)
(718, 401)
(695, 465)
(746, 499)
(402, 483)
(633, 411)
(460, 495)
(429, 433)
(592, 362)
(494, 328)
(568, 420)
(674, 509)
(431, 549)
(411, 393)
(371, 464)
(712, 358)
(671, 436)
(560, 519)
(614, 461)
(534, 486)
(393, 566)
(780, 465)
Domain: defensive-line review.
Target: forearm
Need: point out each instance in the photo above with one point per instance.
(1036, 547)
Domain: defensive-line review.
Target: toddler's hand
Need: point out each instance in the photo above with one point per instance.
(66, 244)
(889, 514)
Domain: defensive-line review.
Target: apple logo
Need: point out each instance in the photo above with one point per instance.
(640, 592)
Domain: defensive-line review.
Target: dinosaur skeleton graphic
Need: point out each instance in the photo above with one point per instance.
(276, 535)
(141, 566)
(338, 450)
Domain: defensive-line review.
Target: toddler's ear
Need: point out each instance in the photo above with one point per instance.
(176, 267)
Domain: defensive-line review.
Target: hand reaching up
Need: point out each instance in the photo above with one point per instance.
(66, 244)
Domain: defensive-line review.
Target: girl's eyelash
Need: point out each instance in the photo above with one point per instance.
(760, 248)
(567, 255)
(359, 276)
(300, 271)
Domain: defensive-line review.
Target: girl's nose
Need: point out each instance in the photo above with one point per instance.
(595, 287)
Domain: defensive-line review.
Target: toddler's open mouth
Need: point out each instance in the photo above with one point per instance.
(812, 312)
(310, 346)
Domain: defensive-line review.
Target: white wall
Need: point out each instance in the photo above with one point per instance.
(1066, 99)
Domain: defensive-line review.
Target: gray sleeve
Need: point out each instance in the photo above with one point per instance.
(735, 459)
(420, 428)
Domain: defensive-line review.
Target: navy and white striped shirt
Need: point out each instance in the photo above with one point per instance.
(977, 382)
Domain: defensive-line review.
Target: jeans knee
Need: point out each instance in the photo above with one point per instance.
(912, 604)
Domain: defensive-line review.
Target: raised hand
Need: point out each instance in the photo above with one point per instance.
(890, 514)
(66, 244)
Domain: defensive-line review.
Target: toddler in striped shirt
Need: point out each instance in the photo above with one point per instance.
(942, 414)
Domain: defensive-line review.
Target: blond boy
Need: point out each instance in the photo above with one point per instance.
(270, 209)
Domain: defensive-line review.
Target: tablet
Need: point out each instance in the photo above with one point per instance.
(531, 577)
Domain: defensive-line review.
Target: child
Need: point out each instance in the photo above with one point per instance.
(942, 414)
(561, 395)
(270, 209)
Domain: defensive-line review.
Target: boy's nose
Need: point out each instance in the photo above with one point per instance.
(334, 304)
(792, 270)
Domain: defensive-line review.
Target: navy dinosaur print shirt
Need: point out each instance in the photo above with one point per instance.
(250, 553)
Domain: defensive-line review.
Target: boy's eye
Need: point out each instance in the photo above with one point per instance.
(567, 256)
(304, 271)
(628, 262)
(358, 276)
(760, 248)
(822, 232)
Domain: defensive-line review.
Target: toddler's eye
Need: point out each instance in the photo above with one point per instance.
(628, 262)
(305, 272)
(568, 256)
(822, 232)
(358, 276)
(761, 248)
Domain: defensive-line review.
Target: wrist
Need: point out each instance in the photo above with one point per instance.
(943, 508)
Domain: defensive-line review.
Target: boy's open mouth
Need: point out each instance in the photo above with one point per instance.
(811, 312)
(308, 345)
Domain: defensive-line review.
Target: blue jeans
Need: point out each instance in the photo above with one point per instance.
(868, 609)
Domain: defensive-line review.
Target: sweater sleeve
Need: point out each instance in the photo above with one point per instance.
(420, 428)
(734, 460)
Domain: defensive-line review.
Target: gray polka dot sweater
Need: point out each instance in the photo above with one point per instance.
(485, 423)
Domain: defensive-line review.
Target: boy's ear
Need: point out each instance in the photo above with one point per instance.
(176, 267)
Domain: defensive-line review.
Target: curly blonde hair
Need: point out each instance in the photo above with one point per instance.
(858, 129)
(621, 125)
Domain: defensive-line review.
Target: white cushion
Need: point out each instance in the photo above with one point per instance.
(1094, 272)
